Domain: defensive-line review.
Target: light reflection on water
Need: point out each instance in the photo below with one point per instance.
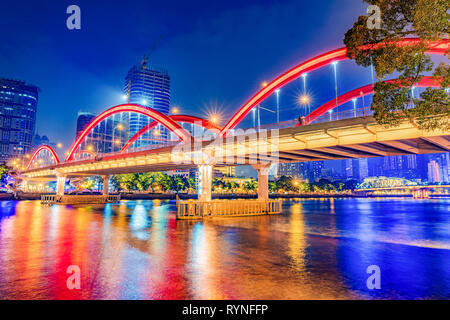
(317, 249)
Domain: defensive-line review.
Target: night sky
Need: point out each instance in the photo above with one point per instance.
(217, 52)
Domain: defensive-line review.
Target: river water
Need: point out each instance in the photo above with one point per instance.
(316, 249)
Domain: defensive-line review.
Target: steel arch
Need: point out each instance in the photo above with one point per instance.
(38, 150)
(435, 47)
(178, 118)
(155, 115)
(361, 92)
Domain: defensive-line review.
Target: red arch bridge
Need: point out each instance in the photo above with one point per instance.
(179, 142)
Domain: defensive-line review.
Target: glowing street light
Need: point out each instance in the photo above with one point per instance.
(59, 145)
(125, 97)
(90, 148)
(264, 84)
(354, 106)
(156, 133)
(305, 99)
(254, 115)
(119, 126)
(144, 102)
(334, 63)
(278, 106)
(175, 110)
(304, 75)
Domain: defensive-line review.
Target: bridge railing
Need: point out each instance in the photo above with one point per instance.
(78, 199)
(341, 115)
(191, 209)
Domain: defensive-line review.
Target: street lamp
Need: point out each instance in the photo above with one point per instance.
(304, 82)
(334, 63)
(354, 106)
(305, 100)
(254, 115)
(278, 107)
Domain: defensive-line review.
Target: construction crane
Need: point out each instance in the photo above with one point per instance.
(145, 60)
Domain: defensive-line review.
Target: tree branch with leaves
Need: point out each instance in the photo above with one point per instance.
(395, 102)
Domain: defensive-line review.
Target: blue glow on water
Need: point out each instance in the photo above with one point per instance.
(318, 248)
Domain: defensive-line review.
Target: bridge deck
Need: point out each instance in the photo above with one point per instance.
(342, 139)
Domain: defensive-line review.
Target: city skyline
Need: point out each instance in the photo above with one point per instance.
(96, 76)
(242, 150)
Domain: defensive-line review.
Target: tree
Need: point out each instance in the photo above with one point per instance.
(129, 181)
(115, 182)
(250, 185)
(394, 102)
(144, 181)
(191, 184)
(3, 173)
(273, 186)
(284, 183)
(178, 183)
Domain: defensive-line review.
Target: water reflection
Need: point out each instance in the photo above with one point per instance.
(317, 249)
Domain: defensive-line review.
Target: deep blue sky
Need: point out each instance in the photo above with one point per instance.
(217, 52)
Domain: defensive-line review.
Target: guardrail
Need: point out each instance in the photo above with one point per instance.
(194, 209)
(78, 199)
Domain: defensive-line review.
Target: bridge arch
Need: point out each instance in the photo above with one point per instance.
(361, 92)
(177, 118)
(91, 153)
(435, 47)
(155, 115)
(41, 149)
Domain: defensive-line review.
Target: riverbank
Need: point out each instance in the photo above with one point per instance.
(187, 196)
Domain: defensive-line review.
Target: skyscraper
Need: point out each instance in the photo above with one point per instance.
(433, 172)
(149, 87)
(18, 106)
(83, 119)
(363, 168)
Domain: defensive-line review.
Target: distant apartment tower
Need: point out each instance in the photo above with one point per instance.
(149, 87)
(433, 172)
(18, 106)
(290, 169)
(83, 119)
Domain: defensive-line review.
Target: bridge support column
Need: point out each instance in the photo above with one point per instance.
(205, 182)
(105, 185)
(263, 180)
(60, 183)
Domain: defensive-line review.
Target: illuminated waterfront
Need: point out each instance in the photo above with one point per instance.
(316, 249)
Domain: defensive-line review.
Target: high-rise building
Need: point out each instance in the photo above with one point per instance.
(228, 171)
(433, 172)
(149, 87)
(347, 166)
(83, 119)
(290, 169)
(363, 168)
(108, 136)
(18, 106)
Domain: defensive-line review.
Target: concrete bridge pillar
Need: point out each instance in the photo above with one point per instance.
(205, 182)
(263, 180)
(60, 183)
(105, 185)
